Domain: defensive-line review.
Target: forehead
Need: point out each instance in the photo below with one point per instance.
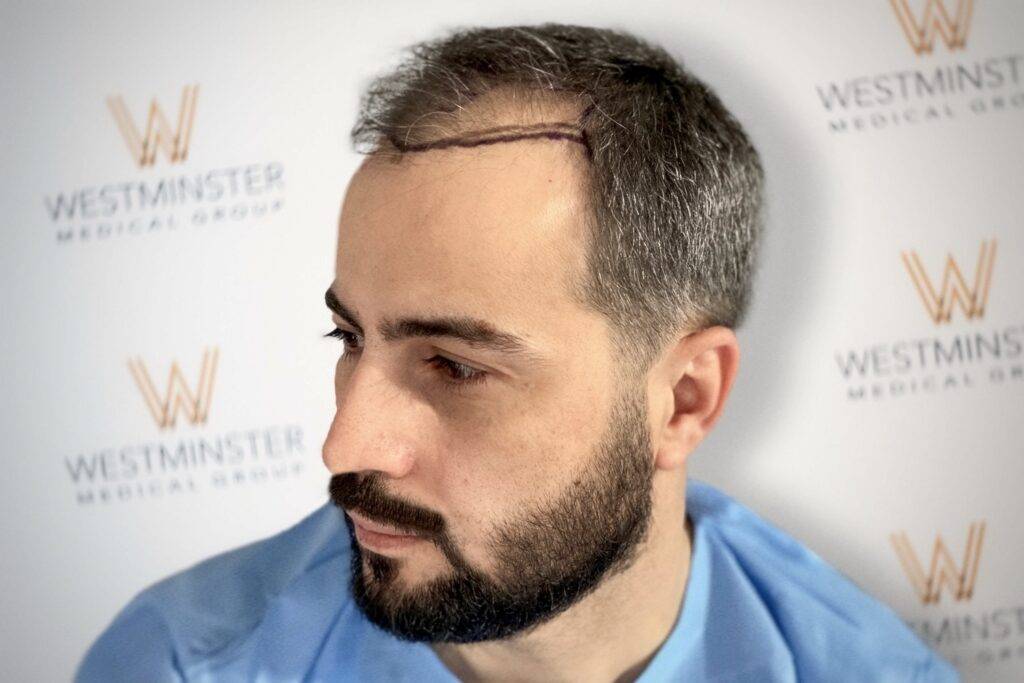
(492, 229)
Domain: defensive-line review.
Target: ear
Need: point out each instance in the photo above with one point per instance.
(689, 388)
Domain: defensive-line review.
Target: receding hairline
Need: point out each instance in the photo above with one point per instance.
(503, 114)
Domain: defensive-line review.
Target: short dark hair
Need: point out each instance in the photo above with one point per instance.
(675, 185)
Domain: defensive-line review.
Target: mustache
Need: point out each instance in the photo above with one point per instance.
(366, 495)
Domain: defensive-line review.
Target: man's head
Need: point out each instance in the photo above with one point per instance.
(539, 265)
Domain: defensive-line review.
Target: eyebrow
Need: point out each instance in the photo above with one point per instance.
(473, 331)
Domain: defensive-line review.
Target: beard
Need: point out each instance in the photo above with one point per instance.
(546, 559)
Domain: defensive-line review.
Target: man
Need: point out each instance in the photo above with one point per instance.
(540, 266)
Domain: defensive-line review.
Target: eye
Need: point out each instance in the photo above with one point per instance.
(349, 340)
(457, 374)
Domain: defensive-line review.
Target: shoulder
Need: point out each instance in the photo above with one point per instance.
(830, 626)
(208, 610)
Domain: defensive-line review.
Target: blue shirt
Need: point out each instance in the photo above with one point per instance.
(758, 607)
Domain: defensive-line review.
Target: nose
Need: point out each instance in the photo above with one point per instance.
(373, 427)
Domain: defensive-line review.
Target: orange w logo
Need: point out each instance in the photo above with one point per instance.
(159, 134)
(935, 20)
(178, 396)
(954, 288)
(942, 571)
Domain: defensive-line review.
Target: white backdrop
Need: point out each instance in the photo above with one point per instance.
(859, 424)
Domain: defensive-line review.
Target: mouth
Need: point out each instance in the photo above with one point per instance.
(381, 537)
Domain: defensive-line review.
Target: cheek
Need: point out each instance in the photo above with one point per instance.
(501, 470)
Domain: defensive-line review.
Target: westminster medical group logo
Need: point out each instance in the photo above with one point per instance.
(185, 453)
(167, 192)
(949, 74)
(934, 22)
(958, 348)
(158, 135)
(944, 574)
(179, 397)
(944, 578)
(953, 290)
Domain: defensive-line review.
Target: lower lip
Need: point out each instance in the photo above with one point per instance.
(378, 541)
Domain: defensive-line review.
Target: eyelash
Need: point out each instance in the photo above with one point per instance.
(447, 365)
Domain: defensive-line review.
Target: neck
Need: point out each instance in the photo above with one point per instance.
(612, 633)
